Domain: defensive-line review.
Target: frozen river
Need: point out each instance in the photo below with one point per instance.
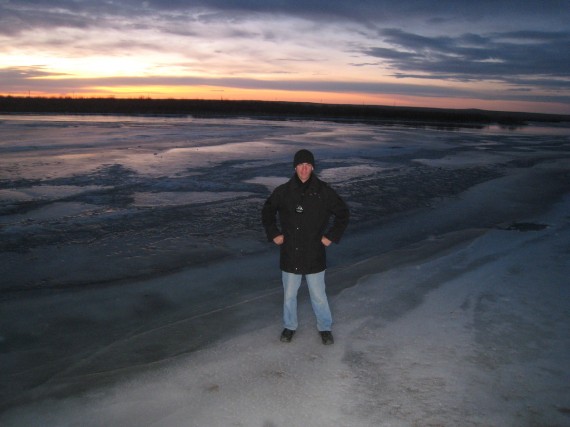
(132, 259)
(147, 195)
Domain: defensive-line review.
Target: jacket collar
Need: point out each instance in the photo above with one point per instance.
(304, 185)
(311, 186)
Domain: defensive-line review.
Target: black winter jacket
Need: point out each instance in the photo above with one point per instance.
(302, 251)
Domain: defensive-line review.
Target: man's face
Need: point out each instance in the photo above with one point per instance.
(304, 171)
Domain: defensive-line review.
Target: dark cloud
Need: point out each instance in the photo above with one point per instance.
(498, 56)
(29, 79)
(16, 75)
(378, 12)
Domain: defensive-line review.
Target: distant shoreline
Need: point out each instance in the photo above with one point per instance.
(271, 110)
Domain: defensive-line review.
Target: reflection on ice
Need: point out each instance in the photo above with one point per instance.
(462, 160)
(44, 192)
(344, 173)
(328, 174)
(270, 182)
(183, 198)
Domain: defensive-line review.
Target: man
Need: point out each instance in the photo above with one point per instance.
(305, 205)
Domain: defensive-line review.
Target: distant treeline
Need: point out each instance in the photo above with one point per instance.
(275, 110)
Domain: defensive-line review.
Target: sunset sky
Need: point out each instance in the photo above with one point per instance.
(500, 55)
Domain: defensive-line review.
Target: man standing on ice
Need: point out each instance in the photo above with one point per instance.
(305, 206)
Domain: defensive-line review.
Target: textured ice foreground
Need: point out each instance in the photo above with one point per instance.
(138, 288)
(148, 195)
(475, 334)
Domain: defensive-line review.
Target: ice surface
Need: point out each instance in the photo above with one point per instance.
(270, 182)
(179, 198)
(138, 288)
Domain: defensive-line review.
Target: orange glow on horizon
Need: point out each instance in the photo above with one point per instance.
(217, 93)
(233, 94)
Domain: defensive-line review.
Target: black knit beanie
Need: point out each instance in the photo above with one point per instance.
(303, 156)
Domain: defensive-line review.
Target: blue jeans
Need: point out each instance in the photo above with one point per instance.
(317, 292)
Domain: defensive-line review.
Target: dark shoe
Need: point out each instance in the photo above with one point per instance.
(327, 337)
(287, 335)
